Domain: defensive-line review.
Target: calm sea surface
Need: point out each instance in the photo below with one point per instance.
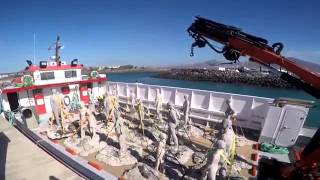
(314, 113)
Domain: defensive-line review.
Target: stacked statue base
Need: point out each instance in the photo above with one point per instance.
(84, 146)
(187, 131)
(143, 172)
(111, 156)
(183, 155)
(55, 133)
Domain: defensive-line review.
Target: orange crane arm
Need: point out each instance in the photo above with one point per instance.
(237, 43)
(268, 57)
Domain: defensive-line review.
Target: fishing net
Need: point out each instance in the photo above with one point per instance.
(273, 149)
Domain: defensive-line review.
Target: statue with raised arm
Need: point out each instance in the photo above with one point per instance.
(173, 117)
(158, 104)
(186, 109)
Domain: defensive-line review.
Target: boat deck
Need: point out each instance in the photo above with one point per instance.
(22, 159)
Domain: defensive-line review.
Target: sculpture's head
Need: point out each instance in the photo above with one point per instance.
(162, 136)
(221, 144)
(169, 105)
(54, 91)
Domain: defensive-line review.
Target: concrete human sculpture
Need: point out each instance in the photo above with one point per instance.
(215, 161)
(132, 101)
(56, 103)
(186, 109)
(91, 100)
(141, 114)
(87, 121)
(158, 104)
(114, 104)
(107, 104)
(173, 122)
(120, 132)
(229, 111)
(161, 149)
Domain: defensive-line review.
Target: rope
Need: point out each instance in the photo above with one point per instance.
(233, 149)
(222, 154)
(75, 103)
(10, 116)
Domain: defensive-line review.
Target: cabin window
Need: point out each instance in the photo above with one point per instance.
(47, 75)
(70, 74)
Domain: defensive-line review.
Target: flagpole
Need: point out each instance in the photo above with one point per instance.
(34, 48)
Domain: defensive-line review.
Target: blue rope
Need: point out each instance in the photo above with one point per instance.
(10, 116)
(75, 103)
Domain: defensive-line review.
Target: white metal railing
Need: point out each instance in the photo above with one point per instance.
(251, 111)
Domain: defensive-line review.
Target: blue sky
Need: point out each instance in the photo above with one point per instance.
(147, 32)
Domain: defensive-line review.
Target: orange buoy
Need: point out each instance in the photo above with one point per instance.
(71, 151)
(95, 165)
(254, 156)
(255, 146)
(253, 170)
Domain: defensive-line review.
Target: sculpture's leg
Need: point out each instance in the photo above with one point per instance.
(174, 135)
(56, 117)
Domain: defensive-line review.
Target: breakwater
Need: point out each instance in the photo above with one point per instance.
(227, 76)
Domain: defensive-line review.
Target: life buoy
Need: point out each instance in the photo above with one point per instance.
(94, 74)
(66, 100)
(23, 81)
(27, 80)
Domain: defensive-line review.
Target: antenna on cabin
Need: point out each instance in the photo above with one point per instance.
(34, 48)
(57, 46)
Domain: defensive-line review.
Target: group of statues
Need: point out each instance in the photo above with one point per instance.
(217, 159)
(61, 112)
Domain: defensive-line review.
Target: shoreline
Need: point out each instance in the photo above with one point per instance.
(231, 77)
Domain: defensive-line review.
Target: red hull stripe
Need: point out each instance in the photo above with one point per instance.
(17, 89)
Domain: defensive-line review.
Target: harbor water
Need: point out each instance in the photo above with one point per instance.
(147, 78)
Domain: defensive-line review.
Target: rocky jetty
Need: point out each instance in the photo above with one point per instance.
(227, 76)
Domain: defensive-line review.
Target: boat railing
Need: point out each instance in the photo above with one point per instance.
(206, 106)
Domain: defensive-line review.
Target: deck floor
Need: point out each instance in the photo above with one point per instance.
(22, 159)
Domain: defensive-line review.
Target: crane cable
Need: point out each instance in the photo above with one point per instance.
(201, 42)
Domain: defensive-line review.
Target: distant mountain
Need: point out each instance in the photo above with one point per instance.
(314, 67)
(221, 63)
(199, 65)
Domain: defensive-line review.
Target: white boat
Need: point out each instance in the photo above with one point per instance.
(276, 121)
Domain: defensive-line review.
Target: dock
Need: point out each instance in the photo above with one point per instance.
(22, 159)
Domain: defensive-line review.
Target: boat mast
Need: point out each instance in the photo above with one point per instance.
(34, 48)
(57, 48)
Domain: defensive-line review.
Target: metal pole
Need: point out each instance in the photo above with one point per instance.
(34, 48)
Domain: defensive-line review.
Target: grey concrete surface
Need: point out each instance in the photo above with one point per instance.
(21, 159)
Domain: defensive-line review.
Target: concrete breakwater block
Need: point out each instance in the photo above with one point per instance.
(110, 156)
